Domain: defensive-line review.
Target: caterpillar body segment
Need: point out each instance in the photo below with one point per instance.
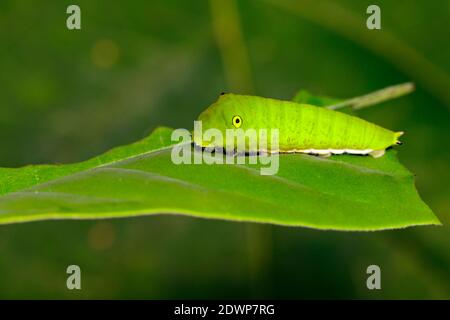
(302, 128)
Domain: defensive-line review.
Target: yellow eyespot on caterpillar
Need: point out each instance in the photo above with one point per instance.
(237, 121)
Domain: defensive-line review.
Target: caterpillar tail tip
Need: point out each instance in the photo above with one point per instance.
(398, 135)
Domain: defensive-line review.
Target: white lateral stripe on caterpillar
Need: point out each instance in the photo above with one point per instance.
(326, 152)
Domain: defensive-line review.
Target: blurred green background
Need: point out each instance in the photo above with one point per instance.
(68, 95)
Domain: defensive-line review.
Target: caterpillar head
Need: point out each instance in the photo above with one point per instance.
(225, 113)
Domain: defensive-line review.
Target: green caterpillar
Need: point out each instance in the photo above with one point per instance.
(302, 128)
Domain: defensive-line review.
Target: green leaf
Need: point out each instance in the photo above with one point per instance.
(340, 192)
(304, 96)
(16, 179)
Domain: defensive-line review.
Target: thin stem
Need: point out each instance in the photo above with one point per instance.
(375, 97)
